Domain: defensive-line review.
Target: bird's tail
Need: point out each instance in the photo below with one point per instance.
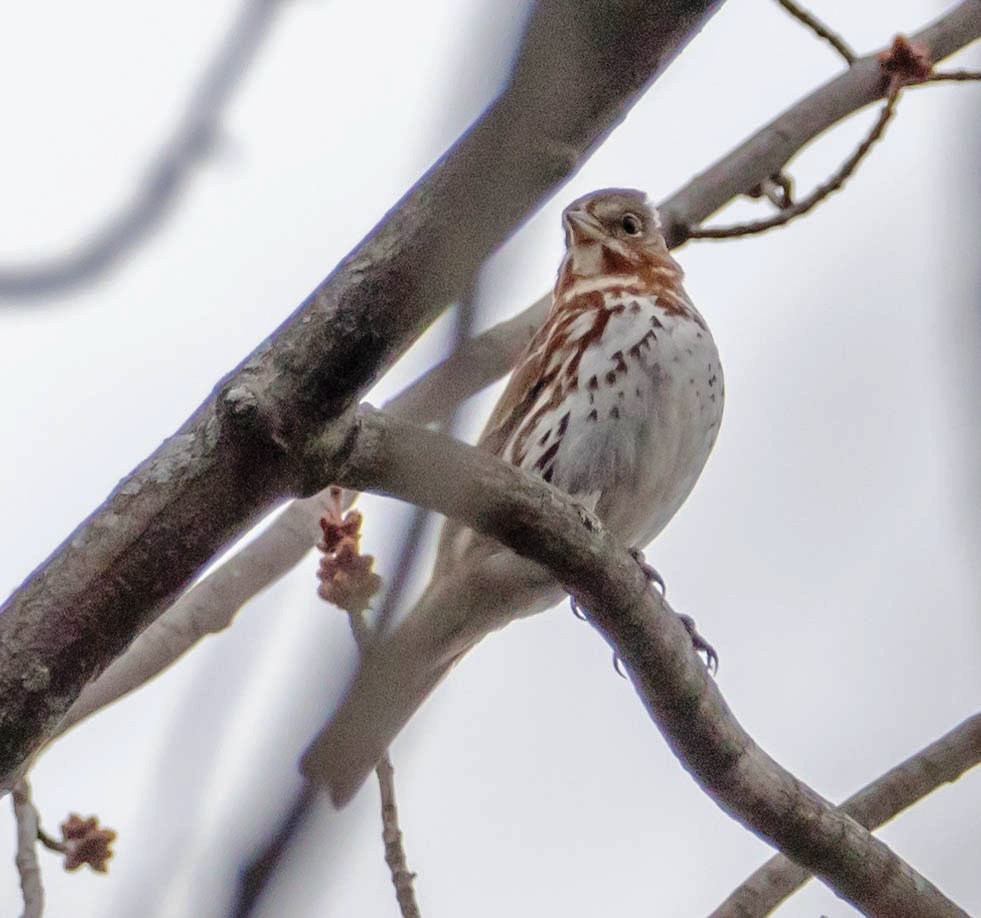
(395, 678)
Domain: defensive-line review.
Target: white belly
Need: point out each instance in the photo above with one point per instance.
(649, 412)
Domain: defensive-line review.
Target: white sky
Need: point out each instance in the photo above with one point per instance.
(829, 551)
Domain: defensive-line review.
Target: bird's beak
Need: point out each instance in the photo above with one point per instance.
(581, 227)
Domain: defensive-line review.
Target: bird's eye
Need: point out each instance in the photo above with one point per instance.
(631, 224)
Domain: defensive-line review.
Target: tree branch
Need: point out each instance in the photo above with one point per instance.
(943, 761)
(246, 448)
(210, 605)
(774, 145)
(365, 634)
(543, 524)
(25, 815)
(820, 29)
(167, 176)
(402, 877)
(253, 879)
(798, 208)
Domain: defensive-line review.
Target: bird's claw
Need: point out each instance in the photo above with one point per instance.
(649, 572)
(576, 609)
(700, 644)
(618, 666)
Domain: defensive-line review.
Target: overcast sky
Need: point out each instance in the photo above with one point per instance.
(828, 552)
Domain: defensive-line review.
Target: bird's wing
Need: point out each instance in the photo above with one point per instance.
(523, 387)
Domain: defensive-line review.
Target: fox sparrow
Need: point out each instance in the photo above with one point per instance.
(616, 400)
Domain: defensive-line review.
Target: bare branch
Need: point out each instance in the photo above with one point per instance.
(545, 525)
(820, 29)
(943, 761)
(799, 208)
(412, 542)
(255, 877)
(904, 64)
(954, 76)
(166, 178)
(248, 446)
(28, 867)
(767, 152)
(475, 364)
(50, 842)
(364, 636)
(207, 608)
(211, 605)
(402, 877)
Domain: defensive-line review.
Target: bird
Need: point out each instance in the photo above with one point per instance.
(616, 400)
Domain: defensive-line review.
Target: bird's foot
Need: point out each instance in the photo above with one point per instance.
(649, 572)
(700, 644)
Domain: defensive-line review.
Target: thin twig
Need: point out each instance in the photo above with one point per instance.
(402, 877)
(822, 191)
(821, 30)
(954, 76)
(364, 636)
(28, 868)
(943, 761)
(50, 842)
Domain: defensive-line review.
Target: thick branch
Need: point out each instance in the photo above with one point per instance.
(942, 761)
(542, 523)
(578, 71)
(211, 604)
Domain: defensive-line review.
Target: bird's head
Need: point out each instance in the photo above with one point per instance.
(615, 233)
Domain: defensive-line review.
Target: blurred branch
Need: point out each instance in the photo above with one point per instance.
(166, 178)
(211, 604)
(943, 761)
(820, 29)
(25, 815)
(473, 365)
(254, 878)
(251, 443)
(547, 526)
